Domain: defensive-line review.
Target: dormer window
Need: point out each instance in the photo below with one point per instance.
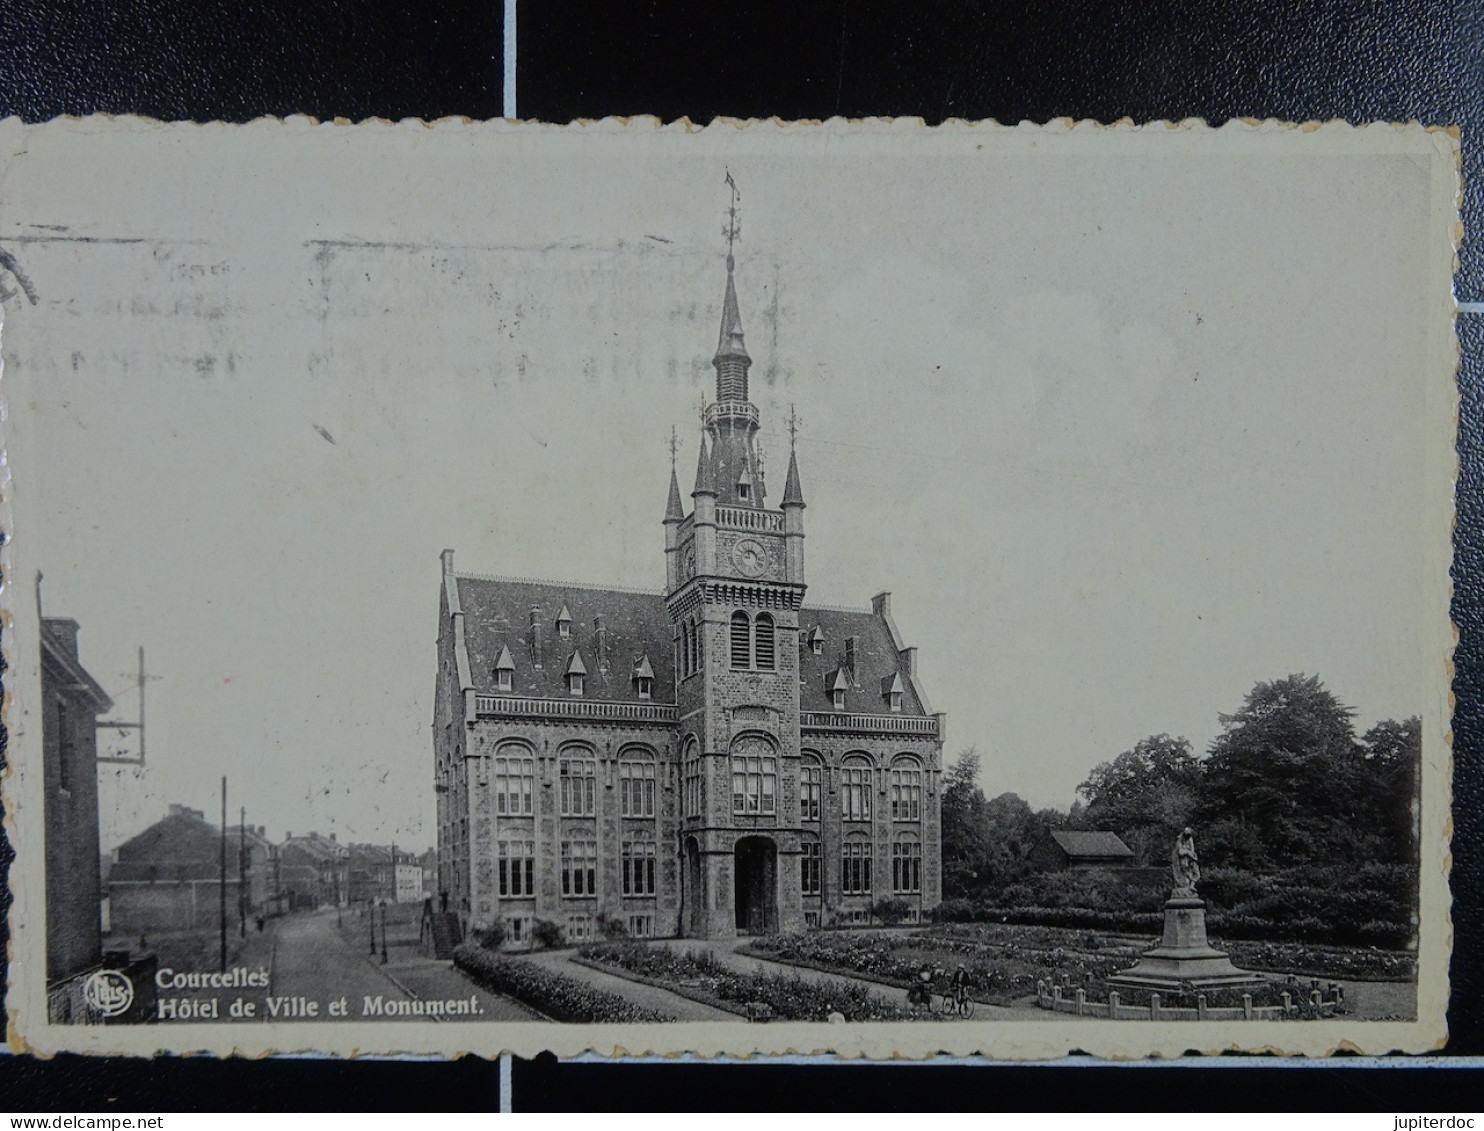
(816, 641)
(891, 691)
(835, 685)
(576, 674)
(564, 624)
(644, 678)
(504, 670)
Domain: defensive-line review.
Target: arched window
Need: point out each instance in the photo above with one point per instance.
(906, 789)
(683, 650)
(855, 788)
(855, 866)
(636, 777)
(741, 641)
(695, 647)
(763, 642)
(515, 780)
(691, 774)
(811, 789)
(906, 866)
(577, 774)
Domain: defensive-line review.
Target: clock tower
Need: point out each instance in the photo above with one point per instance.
(734, 585)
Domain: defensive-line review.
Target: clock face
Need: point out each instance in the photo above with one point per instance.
(690, 563)
(750, 557)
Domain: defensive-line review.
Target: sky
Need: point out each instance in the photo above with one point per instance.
(1124, 427)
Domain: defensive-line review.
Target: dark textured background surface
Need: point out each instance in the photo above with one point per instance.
(232, 61)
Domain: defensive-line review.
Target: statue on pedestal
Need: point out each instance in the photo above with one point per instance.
(1185, 865)
(1184, 961)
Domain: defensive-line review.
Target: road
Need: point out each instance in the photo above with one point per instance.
(312, 960)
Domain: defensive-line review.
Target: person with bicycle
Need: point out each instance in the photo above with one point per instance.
(920, 994)
(962, 1002)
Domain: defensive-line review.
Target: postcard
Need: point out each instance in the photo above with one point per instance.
(634, 587)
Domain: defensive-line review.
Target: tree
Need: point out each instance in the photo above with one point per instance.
(963, 826)
(1391, 756)
(1145, 795)
(1280, 785)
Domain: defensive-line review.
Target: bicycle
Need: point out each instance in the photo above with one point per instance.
(958, 1002)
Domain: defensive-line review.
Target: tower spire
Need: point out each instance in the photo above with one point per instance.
(731, 360)
(674, 512)
(793, 489)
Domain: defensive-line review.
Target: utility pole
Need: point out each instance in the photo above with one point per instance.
(242, 874)
(222, 886)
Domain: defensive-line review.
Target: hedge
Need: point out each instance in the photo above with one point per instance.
(559, 997)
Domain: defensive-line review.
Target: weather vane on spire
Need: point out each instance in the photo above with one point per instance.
(674, 445)
(733, 228)
(793, 426)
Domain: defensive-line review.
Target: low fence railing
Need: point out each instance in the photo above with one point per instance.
(890, 724)
(517, 706)
(1053, 997)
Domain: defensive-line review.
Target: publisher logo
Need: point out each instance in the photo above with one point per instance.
(109, 992)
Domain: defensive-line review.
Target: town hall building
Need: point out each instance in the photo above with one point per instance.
(713, 759)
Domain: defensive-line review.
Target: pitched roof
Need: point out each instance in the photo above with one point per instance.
(1077, 843)
(497, 615)
(876, 661)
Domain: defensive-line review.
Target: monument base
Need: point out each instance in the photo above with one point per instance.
(1184, 960)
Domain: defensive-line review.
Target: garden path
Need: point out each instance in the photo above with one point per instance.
(650, 997)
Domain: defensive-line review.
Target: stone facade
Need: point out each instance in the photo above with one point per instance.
(715, 758)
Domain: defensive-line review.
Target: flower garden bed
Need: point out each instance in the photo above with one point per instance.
(557, 996)
(1005, 961)
(699, 976)
(999, 973)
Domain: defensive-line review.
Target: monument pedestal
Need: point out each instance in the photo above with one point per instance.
(1184, 959)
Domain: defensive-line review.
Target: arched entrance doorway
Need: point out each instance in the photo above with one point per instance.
(756, 887)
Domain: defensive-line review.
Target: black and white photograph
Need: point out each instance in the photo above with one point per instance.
(857, 587)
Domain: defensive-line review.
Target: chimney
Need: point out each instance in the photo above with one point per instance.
(881, 604)
(536, 636)
(64, 631)
(601, 635)
(850, 642)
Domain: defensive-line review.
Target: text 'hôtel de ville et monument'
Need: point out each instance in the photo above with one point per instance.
(714, 759)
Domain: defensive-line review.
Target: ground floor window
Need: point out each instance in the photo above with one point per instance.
(906, 867)
(579, 867)
(579, 928)
(855, 868)
(638, 867)
(641, 926)
(520, 928)
(811, 920)
(809, 868)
